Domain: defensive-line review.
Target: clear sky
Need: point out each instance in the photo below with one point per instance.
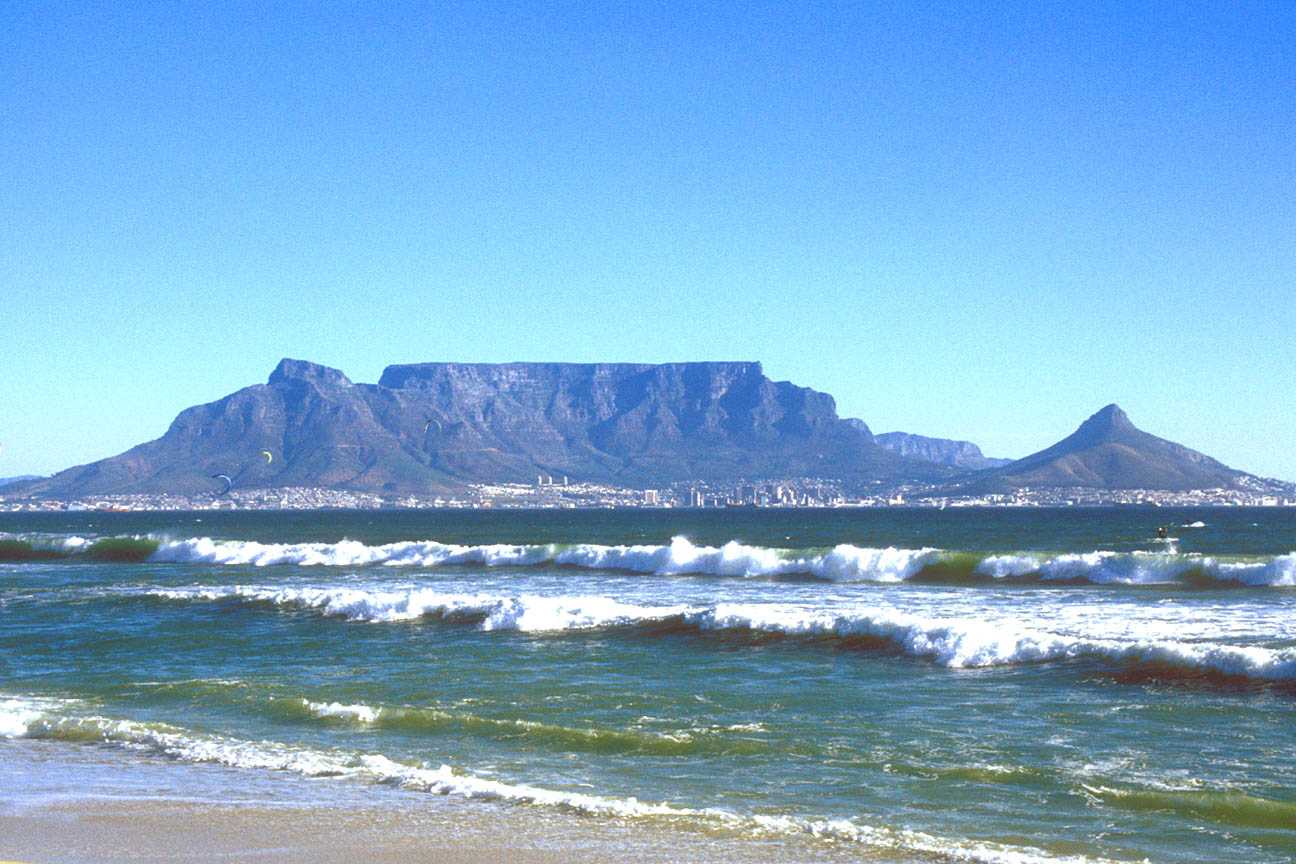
(959, 220)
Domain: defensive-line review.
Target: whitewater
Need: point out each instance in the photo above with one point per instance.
(988, 639)
(682, 557)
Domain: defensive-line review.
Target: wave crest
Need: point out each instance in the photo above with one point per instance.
(681, 557)
(955, 643)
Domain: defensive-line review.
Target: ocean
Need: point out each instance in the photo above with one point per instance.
(917, 685)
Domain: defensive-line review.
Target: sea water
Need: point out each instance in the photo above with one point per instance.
(986, 685)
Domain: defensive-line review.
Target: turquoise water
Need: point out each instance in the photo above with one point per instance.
(978, 684)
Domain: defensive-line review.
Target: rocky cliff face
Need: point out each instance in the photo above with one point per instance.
(433, 426)
(941, 451)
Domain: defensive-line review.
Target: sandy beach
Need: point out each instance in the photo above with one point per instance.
(107, 830)
(150, 817)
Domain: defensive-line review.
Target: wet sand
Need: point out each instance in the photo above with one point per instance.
(74, 805)
(83, 832)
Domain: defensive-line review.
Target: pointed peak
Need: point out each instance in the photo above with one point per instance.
(304, 370)
(1112, 415)
(1110, 420)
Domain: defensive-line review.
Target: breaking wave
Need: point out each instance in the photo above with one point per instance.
(1226, 807)
(682, 557)
(566, 738)
(63, 720)
(1141, 568)
(678, 558)
(53, 547)
(952, 642)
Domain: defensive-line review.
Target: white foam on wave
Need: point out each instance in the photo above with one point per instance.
(1136, 568)
(353, 713)
(1276, 572)
(966, 643)
(346, 553)
(39, 718)
(1163, 568)
(526, 613)
(678, 558)
(18, 715)
(1008, 566)
(843, 563)
(682, 557)
(953, 642)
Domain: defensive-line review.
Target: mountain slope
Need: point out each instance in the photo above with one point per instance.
(941, 451)
(1107, 451)
(434, 426)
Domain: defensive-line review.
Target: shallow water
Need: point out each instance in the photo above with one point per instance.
(981, 683)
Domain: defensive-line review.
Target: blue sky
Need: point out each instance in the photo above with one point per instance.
(960, 221)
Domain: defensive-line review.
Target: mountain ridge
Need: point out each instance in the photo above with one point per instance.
(434, 427)
(941, 451)
(428, 427)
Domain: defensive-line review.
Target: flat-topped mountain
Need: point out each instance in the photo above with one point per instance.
(1108, 452)
(434, 426)
(941, 451)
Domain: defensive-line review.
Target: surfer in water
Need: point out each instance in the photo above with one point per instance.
(1163, 533)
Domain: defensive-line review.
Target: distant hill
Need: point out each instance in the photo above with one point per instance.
(941, 451)
(435, 426)
(1108, 452)
(21, 478)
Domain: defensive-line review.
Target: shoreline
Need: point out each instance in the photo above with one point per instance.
(80, 804)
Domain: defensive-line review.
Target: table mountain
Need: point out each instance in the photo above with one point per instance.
(433, 426)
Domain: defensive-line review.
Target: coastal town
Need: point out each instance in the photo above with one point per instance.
(560, 493)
